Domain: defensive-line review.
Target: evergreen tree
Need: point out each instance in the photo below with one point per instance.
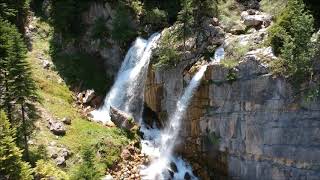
(122, 30)
(185, 17)
(87, 170)
(11, 164)
(205, 8)
(19, 88)
(15, 12)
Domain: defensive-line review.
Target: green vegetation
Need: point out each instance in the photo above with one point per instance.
(11, 164)
(81, 72)
(45, 170)
(57, 101)
(18, 88)
(185, 17)
(268, 6)
(15, 12)
(213, 138)
(157, 18)
(100, 30)
(87, 170)
(290, 40)
(228, 13)
(166, 55)
(234, 53)
(122, 31)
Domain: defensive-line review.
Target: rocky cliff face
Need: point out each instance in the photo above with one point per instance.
(252, 126)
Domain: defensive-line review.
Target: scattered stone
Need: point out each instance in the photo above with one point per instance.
(126, 155)
(46, 64)
(171, 173)
(129, 168)
(66, 121)
(58, 154)
(61, 161)
(107, 177)
(60, 81)
(57, 128)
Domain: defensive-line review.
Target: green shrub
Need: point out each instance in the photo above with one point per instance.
(87, 170)
(46, 170)
(166, 55)
(290, 39)
(100, 29)
(11, 164)
(156, 17)
(268, 6)
(234, 53)
(123, 30)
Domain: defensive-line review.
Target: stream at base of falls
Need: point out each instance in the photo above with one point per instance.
(127, 94)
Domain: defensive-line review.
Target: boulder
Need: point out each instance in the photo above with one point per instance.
(56, 127)
(173, 167)
(85, 97)
(66, 121)
(89, 95)
(60, 161)
(122, 119)
(58, 154)
(253, 18)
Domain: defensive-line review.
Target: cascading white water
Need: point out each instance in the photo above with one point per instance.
(129, 84)
(127, 95)
(160, 144)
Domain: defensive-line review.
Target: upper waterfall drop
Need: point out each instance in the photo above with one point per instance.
(161, 143)
(129, 83)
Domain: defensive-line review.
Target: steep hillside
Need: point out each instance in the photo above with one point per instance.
(58, 103)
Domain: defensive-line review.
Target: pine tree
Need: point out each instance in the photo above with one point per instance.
(15, 12)
(87, 170)
(185, 17)
(19, 88)
(11, 164)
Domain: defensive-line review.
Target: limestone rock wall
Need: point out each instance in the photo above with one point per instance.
(252, 128)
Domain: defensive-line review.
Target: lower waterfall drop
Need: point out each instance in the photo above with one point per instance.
(159, 144)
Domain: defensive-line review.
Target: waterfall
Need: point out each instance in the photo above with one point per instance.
(127, 92)
(160, 144)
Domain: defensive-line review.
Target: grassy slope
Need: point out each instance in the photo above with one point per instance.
(57, 102)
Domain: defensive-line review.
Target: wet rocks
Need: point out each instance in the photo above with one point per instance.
(187, 176)
(122, 119)
(56, 127)
(86, 96)
(129, 165)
